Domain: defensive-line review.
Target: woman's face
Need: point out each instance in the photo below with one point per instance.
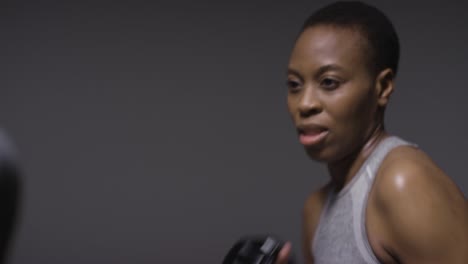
(331, 92)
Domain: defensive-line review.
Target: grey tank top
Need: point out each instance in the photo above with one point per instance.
(340, 236)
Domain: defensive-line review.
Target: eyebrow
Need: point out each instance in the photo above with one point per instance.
(320, 71)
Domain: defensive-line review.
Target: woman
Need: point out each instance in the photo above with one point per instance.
(387, 201)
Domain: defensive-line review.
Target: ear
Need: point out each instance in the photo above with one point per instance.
(384, 86)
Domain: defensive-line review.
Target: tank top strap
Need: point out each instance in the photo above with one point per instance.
(360, 193)
(376, 158)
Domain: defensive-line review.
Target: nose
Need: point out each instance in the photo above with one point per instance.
(309, 103)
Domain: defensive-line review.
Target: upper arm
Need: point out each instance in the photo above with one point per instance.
(311, 215)
(425, 215)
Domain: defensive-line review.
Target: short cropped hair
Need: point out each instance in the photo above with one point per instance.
(372, 23)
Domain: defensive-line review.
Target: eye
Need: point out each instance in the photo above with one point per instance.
(329, 83)
(293, 85)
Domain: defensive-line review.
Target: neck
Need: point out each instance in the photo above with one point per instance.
(344, 170)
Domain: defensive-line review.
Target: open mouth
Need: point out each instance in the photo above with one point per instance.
(312, 136)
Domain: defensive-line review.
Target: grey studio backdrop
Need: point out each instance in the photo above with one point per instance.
(157, 132)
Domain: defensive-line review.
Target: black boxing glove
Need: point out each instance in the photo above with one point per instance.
(255, 250)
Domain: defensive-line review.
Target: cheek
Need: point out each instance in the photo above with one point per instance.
(291, 106)
(352, 113)
(350, 122)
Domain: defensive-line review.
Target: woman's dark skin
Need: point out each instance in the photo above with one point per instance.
(415, 213)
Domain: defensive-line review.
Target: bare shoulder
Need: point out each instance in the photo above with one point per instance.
(311, 215)
(425, 213)
(409, 171)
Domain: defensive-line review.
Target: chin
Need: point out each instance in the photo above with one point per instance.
(319, 155)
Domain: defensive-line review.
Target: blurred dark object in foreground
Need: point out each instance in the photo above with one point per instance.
(260, 249)
(10, 188)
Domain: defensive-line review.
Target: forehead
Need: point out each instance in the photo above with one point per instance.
(324, 44)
